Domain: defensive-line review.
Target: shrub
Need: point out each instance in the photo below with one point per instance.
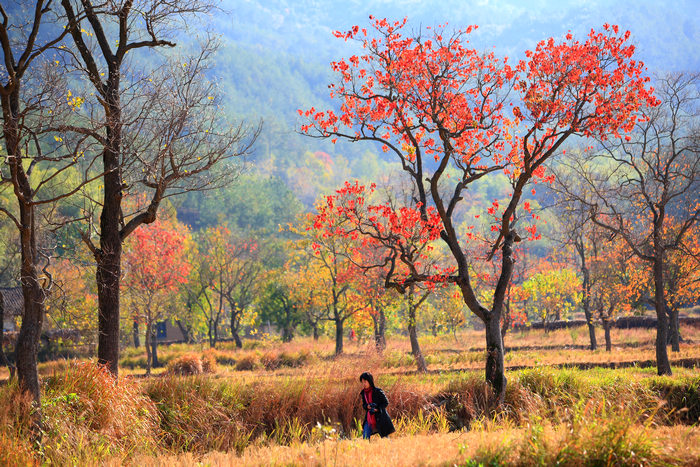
(199, 414)
(270, 361)
(185, 365)
(246, 363)
(87, 415)
(209, 361)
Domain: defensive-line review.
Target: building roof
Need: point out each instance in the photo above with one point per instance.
(13, 301)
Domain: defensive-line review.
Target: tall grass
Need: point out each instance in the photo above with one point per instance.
(89, 417)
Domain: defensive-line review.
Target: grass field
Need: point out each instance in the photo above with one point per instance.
(295, 404)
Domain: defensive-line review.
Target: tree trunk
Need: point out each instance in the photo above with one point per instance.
(149, 337)
(607, 324)
(495, 370)
(236, 338)
(673, 328)
(235, 324)
(379, 321)
(210, 334)
(507, 320)
(338, 336)
(413, 335)
(287, 333)
(216, 332)
(663, 366)
(587, 303)
(109, 255)
(137, 340)
(315, 331)
(27, 346)
(154, 347)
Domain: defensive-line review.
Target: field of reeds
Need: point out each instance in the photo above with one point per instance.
(296, 404)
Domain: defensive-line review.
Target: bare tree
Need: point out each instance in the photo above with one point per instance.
(636, 184)
(576, 230)
(160, 131)
(39, 163)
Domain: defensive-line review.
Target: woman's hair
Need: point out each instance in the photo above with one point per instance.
(367, 376)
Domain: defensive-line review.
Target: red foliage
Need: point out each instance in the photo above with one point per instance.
(155, 259)
(429, 94)
(392, 241)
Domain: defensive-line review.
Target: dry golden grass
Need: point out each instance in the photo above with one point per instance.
(287, 388)
(676, 445)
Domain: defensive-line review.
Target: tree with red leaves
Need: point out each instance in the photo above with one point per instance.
(156, 266)
(427, 96)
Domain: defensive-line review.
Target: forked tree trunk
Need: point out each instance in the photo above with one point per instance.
(27, 346)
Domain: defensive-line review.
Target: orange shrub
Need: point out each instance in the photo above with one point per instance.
(185, 365)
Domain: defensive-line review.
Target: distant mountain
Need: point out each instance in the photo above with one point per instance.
(275, 55)
(667, 33)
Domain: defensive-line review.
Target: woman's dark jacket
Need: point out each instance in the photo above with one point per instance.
(385, 426)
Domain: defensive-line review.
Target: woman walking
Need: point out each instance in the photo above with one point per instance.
(374, 402)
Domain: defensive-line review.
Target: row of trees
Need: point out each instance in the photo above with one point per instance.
(217, 282)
